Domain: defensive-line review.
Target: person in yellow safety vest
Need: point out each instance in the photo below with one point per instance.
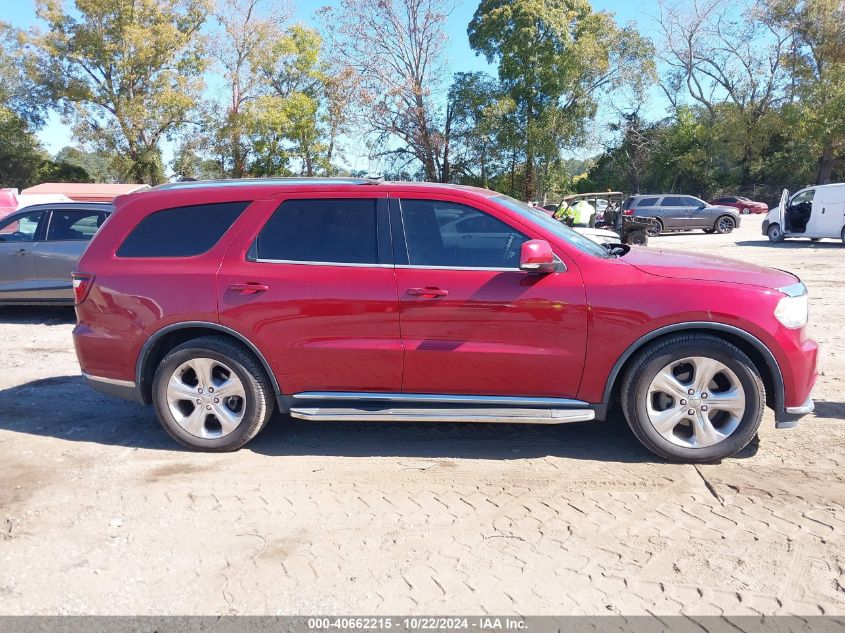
(583, 213)
(564, 211)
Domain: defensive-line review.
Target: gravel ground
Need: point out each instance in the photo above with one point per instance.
(101, 513)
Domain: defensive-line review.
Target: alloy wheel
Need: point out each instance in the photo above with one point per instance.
(695, 402)
(726, 225)
(206, 398)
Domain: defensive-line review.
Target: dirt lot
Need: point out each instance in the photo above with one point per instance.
(101, 513)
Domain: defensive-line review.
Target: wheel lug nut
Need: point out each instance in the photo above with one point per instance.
(208, 406)
(217, 400)
(683, 402)
(211, 390)
(704, 407)
(704, 395)
(691, 412)
(199, 401)
(691, 391)
(199, 390)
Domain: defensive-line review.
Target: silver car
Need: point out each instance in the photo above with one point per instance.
(39, 248)
(677, 212)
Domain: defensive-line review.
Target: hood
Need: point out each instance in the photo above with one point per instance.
(677, 265)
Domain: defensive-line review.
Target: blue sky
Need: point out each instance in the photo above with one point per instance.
(55, 135)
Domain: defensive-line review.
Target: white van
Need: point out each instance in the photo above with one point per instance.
(814, 212)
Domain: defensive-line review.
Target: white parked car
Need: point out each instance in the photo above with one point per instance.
(815, 212)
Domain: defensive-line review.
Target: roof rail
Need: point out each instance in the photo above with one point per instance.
(255, 182)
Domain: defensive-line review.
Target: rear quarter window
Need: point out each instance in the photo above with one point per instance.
(647, 202)
(181, 231)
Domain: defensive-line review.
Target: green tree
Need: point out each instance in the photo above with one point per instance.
(128, 73)
(555, 58)
(817, 65)
(479, 109)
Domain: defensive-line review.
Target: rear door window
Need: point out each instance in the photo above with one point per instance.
(322, 231)
(674, 201)
(74, 225)
(181, 231)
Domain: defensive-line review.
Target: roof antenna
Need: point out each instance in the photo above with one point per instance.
(375, 180)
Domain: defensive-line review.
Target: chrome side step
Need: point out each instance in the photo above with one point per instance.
(444, 414)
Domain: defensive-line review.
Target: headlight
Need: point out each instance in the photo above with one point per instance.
(792, 311)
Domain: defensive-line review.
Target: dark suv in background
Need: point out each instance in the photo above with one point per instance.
(681, 213)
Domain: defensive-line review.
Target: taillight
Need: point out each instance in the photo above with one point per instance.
(82, 283)
(627, 212)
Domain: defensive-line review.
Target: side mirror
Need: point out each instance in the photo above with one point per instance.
(536, 256)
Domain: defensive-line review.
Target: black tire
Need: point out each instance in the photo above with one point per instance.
(724, 225)
(775, 233)
(842, 235)
(637, 238)
(258, 404)
(655, 229)
(745, 211)
(654, 358)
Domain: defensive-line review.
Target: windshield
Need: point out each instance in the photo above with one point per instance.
(559, 229)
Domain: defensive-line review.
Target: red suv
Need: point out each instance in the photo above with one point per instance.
(354, 299)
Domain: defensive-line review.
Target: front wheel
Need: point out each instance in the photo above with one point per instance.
(775, 233)
(637, 238)
(745, 211)
(693, 398)
(725, 225)
(211, 394)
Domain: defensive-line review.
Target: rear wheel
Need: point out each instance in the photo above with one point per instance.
(775, 233)
(693, 398)
(745, 211)
(655, 229)
(210, 394)
(725, 225)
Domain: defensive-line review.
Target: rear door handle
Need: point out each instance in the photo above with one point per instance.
(428, 291)
(22, 251)
(249, 288)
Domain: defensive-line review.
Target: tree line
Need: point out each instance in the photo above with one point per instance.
(755, 94)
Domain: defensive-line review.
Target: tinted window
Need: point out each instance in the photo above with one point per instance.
(67, 225)
(182, 231)
(440, 233)
(20, 228)
(647, 202)
(695, 203)
(336, 231)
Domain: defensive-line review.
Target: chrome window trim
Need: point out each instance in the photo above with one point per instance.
(432, 267)
(441, 398)
(110, 381)
(308, 263)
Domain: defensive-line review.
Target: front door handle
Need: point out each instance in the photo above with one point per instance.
(428, 291)
(249, 288)
(22, 251)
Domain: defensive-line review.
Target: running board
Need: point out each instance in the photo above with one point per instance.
(446, 414)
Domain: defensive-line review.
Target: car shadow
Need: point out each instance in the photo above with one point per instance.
(89, 416)
(834, 410)
(799, 243)
(37, 315)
